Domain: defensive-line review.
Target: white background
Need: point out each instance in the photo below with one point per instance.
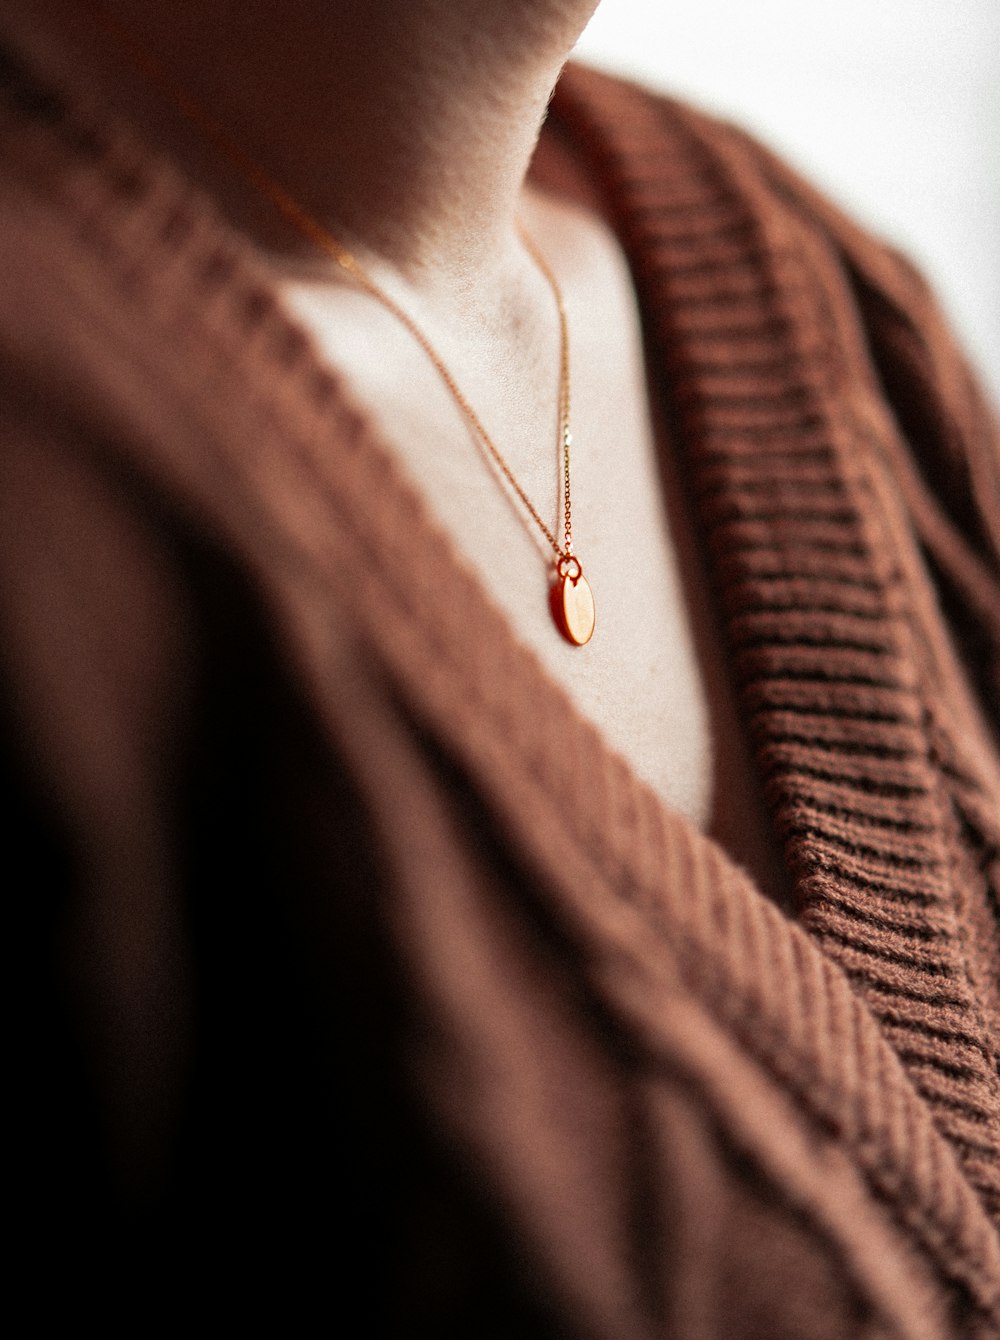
(892, 106)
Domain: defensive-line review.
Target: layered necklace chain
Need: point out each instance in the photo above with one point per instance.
(570, 597)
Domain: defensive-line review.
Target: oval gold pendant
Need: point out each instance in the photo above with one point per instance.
(573, 605)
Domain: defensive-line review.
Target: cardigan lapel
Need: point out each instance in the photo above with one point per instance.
(774, 407)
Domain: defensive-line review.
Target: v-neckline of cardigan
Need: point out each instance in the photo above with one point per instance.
(161, 192)
(150, 198)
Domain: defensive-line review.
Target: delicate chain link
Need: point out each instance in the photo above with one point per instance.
(313, 230)
(565, 436)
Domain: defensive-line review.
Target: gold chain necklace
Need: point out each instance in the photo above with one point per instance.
(570, 597)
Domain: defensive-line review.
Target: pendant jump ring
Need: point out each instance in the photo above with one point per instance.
(564, 566)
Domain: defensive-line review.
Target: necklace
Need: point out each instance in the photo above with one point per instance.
(571, 600)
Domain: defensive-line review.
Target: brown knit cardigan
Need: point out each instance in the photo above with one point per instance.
(363, 975)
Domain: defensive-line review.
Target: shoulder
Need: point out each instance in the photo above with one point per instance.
(709, 213)
(649, 132)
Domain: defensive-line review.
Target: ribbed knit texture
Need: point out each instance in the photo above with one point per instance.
(839, 467)
(824, 619)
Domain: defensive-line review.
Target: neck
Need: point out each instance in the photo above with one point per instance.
(404, 126)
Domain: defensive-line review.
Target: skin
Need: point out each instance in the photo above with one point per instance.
(410, 129)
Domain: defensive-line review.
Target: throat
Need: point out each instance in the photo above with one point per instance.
(406, 127)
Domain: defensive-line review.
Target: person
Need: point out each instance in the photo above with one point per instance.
(396, 947)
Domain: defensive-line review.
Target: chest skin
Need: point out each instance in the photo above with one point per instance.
(653, 677)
